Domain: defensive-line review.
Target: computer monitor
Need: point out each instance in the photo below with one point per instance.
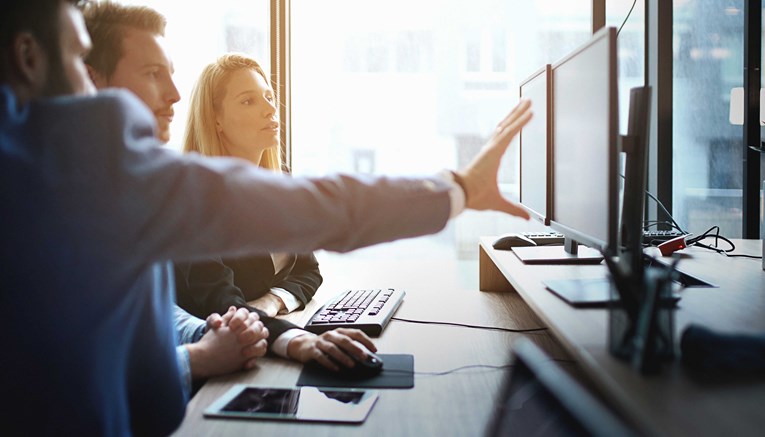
(535, 145)
(635, 148)
(585, 149)
(540, 399)
(585, 153)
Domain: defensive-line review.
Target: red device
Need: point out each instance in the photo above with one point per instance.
(671, 246)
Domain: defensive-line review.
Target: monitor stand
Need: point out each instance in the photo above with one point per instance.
(569, 253)
(592, 292)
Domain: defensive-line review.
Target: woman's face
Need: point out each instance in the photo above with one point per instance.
(247, 119)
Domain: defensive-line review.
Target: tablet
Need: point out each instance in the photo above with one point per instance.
(309, 404)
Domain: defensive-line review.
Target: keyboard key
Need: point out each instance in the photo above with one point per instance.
(368, 310)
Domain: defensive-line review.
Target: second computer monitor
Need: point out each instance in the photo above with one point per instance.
(585, 148)
(535, 144)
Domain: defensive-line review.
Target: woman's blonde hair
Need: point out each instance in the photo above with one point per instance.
(201, 134)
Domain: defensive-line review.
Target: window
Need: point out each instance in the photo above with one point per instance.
(197, 33)
(707, 148)
(631, 49)
(384, 92)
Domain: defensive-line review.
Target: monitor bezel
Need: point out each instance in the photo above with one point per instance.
(541, 216)
(586, 410)
(609, 247)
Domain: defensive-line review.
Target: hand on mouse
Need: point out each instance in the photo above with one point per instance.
(331, 343)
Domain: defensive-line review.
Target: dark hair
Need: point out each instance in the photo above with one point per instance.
(39, 18)
(106, 24)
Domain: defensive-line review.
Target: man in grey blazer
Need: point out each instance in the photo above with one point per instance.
(93, 210)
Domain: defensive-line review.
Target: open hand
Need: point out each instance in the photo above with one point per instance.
(480, 176)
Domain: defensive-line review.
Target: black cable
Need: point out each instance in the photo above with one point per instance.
(696, 241)
(663, 208)
(651, 223)
(446, 372)
(462, 325)
(626, 18)
(470, 366)
(740, 255)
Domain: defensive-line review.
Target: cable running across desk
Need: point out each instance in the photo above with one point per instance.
(714, 232)
(469, 366)
(463, 325)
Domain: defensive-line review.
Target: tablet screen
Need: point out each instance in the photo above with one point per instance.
(301, 404)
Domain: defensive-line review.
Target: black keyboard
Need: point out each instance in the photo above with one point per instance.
(544, 238)
(367, 310)
(655, 236)
(652, 236)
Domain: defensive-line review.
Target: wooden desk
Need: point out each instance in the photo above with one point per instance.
(458, 404)
(673, 402)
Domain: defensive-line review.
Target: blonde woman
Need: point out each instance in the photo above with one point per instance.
(233, 113)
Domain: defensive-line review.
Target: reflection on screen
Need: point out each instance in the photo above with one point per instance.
(530, 410)
(307, 403)
(265, 400)
(533, 144)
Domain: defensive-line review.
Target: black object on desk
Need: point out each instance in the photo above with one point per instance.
(641, 319)
(398, 372)
(711, 351)
(541, 399)
(592, 292)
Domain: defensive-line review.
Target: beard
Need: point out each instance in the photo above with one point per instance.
(58, 84)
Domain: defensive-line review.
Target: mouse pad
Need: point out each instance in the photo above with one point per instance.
(398, 372)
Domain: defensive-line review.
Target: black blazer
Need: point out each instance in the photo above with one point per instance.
(213, 286)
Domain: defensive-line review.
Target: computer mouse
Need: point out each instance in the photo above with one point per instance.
(507, 242)
(362, 369)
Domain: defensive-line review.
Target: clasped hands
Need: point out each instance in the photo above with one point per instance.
(237, 339)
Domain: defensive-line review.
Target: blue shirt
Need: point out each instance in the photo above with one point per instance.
(92, 213)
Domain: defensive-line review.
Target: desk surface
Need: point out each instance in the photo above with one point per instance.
(673, 402)
(458, 404)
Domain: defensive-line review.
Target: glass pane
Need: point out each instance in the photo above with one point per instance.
(629, 16)
(707, 148)
(198, 32)
(379, 91)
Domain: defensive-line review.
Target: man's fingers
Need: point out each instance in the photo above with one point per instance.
(523, 105)
(359, 336)
(251, 363)
(214, 321)
(229, 314)
(256, 332)
(332, 349)
(240, 321)
(507, 132)
(511, 208)
(347, 343)
(325, 361)
(258, 349)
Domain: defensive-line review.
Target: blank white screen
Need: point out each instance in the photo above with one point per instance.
(534, 147)
(581, 141)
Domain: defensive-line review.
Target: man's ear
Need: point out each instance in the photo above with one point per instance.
(30, 62)
(97, 78)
